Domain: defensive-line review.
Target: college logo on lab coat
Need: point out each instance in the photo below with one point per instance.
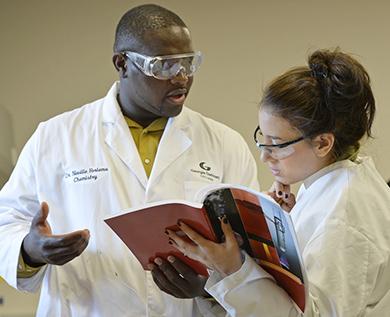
(203, 165)
(88, 174)
(205, 172)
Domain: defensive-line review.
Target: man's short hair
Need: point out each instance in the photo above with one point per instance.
(135, 22)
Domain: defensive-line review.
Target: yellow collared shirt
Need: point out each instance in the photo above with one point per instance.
(147, 140)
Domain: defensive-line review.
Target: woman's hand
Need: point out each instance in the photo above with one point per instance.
(282, 195)
(225, 257)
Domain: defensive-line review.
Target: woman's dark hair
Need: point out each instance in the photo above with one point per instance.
(332, 94)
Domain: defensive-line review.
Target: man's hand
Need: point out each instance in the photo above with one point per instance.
(177, 278)
(40, 246)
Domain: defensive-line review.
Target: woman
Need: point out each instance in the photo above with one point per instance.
(311, 122)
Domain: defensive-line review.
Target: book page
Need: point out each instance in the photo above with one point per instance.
(267, 233)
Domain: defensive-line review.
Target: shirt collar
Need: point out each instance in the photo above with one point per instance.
(327, 169)
(157, 125)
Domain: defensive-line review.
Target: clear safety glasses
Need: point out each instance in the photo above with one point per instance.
(167, 66)
(277, 151)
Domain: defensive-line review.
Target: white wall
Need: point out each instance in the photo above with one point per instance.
(56, 55)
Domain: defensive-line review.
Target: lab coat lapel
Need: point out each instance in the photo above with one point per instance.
(121, 142)
(118, 137)
(174, 142)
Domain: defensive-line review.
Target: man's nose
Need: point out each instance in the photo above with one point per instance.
(180, 77)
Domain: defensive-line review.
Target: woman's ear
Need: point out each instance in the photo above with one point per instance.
(323, 144)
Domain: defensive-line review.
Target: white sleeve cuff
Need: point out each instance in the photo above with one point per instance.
(249, 271)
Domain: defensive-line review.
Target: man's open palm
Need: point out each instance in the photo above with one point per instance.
(41, 247)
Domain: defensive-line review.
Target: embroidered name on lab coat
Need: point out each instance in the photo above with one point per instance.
(89, 174)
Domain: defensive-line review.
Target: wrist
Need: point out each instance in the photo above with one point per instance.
(233, 267)
(28, 259)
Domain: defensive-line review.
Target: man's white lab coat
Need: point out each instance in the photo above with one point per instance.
(85, 165)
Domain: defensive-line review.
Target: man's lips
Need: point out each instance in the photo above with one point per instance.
(177, 96)
(177, 92)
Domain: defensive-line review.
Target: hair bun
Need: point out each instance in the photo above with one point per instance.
(319, 63)
(319, 70)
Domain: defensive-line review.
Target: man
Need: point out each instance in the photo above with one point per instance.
(136, 145)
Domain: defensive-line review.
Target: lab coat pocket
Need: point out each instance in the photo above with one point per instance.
(191, 189)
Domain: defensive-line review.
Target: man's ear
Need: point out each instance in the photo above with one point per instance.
(323, 144)
(120, 65)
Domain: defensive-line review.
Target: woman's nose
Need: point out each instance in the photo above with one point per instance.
(265, 155)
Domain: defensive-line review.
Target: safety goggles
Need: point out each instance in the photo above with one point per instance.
(277, 151)
(167, 66)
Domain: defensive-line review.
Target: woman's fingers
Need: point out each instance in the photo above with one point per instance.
(192, 234)
(212, 254)
(289, 203)
(281, 190)
(187, 248)
(230, 237)
(281, 193)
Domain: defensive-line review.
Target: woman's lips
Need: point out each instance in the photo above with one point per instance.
(274, 172)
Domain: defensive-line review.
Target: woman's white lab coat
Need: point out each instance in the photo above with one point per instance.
(85, 164)
(342, 220)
